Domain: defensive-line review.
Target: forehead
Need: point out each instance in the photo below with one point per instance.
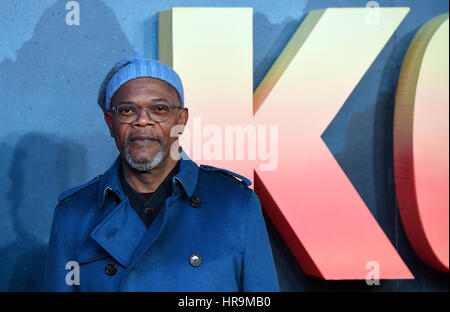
(145, 87)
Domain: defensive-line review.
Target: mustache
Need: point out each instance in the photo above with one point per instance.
(143, 135)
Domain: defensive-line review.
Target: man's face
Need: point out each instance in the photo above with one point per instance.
(144, 144)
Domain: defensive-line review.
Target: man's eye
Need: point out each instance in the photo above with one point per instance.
(160, 108)
(126, 110)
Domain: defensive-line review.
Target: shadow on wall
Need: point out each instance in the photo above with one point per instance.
(61, 66)
(50, 94)
(269, 40)
(40, 166)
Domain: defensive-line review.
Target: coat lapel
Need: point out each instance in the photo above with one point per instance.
(122, 233)
(187, 177)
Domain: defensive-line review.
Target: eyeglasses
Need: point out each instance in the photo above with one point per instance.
(130, 113)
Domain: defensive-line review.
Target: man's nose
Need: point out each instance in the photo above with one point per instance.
(144, 119)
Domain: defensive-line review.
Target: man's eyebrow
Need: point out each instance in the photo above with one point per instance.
(160, 100)
(153, 100)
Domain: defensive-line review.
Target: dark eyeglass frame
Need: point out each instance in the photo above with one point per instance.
(147, 108)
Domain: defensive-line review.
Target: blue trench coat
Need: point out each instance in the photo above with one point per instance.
(95, 226)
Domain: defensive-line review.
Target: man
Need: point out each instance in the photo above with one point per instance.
(155, 221)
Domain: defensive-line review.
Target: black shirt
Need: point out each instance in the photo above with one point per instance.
(147, 205)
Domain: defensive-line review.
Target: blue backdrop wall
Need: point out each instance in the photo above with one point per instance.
(53, 135)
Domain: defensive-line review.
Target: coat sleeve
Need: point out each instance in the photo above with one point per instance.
(57, 257)
(258, 269)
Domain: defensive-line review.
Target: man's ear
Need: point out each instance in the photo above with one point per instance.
(183, 116)
(109, 122)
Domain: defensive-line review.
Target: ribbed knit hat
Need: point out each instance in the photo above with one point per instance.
(136, 67)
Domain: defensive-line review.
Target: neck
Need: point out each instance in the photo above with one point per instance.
(147, 181)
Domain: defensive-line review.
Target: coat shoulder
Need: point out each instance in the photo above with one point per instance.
(75, 190)
(243, 181)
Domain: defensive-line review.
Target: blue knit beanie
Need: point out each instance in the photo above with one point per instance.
(136, 67)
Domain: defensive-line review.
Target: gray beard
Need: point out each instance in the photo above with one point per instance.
(144, 164)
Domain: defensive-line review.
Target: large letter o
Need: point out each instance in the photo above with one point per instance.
(421, 143)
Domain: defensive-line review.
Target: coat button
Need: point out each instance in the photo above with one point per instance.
(111, 269)
(148, 211)
(195, 260)
(195, 201)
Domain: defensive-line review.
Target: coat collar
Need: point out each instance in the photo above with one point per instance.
(187, 176)
(121, 230)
